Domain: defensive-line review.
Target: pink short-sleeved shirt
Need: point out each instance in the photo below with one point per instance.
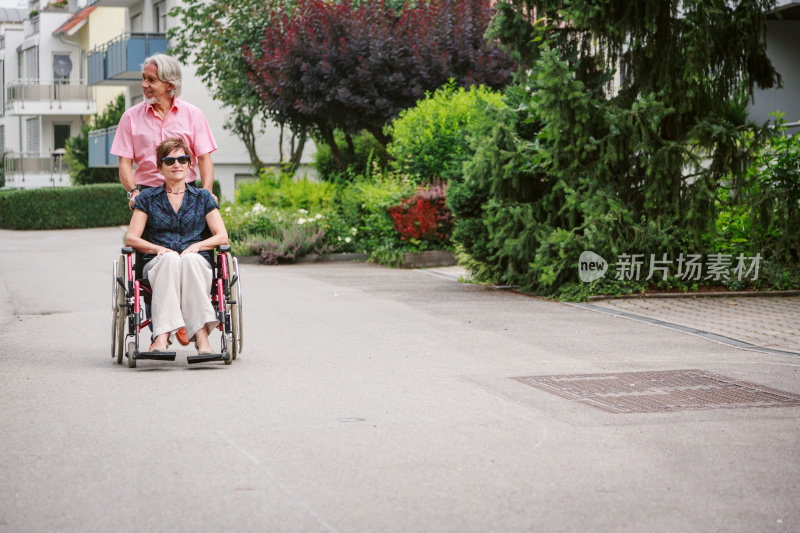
(141, 130)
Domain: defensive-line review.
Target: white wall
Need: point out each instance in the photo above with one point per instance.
(783, 47)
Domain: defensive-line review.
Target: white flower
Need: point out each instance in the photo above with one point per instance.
(228, 209)
(258, 208)
(302, 211)
(347, 239)
(353, 231)
(301, 221)
(319, 216)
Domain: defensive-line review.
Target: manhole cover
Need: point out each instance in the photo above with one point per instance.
(661, 391)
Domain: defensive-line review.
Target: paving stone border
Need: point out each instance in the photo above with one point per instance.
(725, 294)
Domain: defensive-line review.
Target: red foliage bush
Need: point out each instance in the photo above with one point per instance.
(329, 65)
(424, 216)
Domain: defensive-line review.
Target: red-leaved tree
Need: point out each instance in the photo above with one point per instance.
(329, 65)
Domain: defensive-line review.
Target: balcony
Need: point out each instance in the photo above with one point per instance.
(119, 61)
(100, 146)
(113, 3)
(30, 97)
(32, 171)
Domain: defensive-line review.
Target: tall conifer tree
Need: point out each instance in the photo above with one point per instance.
(625, 118)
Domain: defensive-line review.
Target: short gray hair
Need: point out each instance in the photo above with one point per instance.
(169, 71)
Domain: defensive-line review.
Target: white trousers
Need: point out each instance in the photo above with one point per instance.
(181, 287)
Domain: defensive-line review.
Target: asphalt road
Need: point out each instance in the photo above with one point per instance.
(366, 399)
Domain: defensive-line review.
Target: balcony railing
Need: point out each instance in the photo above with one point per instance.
(121, 58)
(100, 146)
(32, 97)
(28, 170)
(32, 90)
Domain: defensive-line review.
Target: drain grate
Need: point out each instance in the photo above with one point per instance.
(661, 391)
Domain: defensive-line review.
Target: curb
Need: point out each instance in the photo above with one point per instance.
(310, 258)
(428, 259)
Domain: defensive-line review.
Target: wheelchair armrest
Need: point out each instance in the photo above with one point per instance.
(127, 250)
(223, 248)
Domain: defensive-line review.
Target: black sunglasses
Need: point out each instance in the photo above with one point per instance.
(182, 159)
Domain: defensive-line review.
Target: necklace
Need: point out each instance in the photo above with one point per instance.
(176, 193)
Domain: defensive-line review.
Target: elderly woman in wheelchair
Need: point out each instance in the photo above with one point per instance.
(176, 228)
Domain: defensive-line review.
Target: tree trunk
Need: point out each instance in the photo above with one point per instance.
(297, 151)
(380, 136)
(327, 136)
(280, 145)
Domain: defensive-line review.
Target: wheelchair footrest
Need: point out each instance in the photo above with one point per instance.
(205, 358)
(158, 356)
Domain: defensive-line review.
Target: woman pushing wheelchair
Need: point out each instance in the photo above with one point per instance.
(176, 227)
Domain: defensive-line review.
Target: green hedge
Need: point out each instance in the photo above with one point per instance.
(85, 206)
(81, 206)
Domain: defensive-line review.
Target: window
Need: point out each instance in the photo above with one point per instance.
(29, 67)
(136, 23)
(160, 12)
(60, 135)
(2, 138)
(32, 135)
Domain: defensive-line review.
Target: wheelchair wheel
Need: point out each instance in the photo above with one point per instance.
(122, 312)
(236, 309)
(118, 313)
(131, 360)
(234, 345)
(114, 308)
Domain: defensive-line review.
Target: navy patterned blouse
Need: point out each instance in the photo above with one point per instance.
(172, 230)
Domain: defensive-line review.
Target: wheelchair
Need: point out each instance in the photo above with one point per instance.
(130, 297)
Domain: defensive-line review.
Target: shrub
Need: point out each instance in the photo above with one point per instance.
(357, 159)
(772, 191)
(364, 204)
(358, 219)
(242, 221)
(284, 192)
(86, 206)
(432, 139)
(424, 216)
(295, 241)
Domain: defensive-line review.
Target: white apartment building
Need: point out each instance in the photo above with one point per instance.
(119, 61)
(45, 96)
(783, 40)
